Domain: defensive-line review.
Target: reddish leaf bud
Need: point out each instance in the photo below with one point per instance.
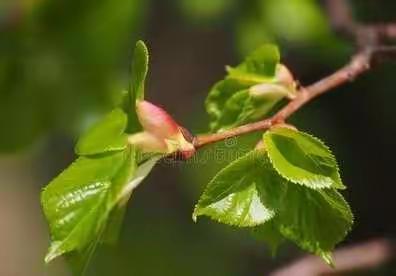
(156, 120)
(161, 133)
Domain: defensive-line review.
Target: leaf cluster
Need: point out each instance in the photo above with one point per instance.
(285, 189)
(234, 100)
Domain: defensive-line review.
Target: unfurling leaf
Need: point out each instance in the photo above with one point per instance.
(139, 70)
(258, 66)
(302, 159)
(250, 90)
(140, 62)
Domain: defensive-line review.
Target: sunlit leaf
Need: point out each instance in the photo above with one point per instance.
(75, 202)
(85, 204)
(249, 192)
(302, 159)
(244, 193)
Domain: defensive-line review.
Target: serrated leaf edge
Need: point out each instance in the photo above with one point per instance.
(302, 183)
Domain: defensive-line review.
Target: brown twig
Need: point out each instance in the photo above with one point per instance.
(340, 16)
(361, 256)
(341, 19)
(371, 49)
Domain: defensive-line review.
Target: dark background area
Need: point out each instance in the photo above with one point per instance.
(64, 63)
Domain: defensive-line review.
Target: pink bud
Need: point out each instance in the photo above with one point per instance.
(156, 120)
(160, 132)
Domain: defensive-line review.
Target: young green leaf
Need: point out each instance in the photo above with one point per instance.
(233, 109)
(244, 193)
(104, 136)
(139, 71)
(316, 220)
(75, 202)
(302, 159)
(258, 66)
(217, 99)
(85, 204)
(250, 90)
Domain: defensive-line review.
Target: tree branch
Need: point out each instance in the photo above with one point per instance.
(341, 19)
(358, 257)
(340, 16)
(372, 48)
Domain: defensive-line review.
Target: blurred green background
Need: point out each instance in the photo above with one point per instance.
(64, 63)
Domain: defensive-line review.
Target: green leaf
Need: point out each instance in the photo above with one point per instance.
(139, 70)
(302, 159)
(85, 204)
(259, 66)
(233, 109)
(249, 192)
(316, 220)
(244, 193)
(218, 97)
(230, 101)
(75, 202)
(104, 136)
(254, 109)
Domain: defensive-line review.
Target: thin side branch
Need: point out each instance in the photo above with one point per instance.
(371, 40)
(341, 19)
(359, 64)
